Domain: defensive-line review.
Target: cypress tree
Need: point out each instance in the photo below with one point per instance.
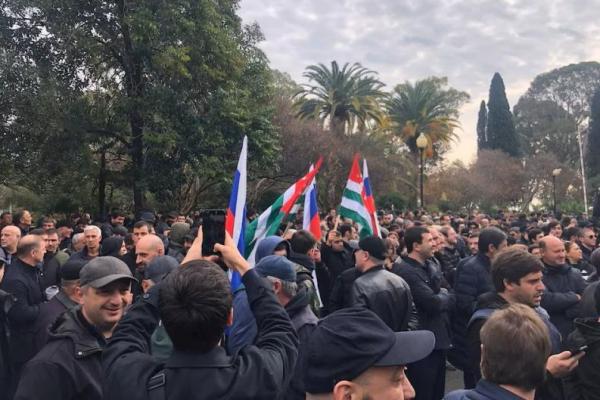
(500, 129)
(482, 142)
(593, 140)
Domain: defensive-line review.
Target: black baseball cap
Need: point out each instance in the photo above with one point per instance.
(101, 271)
(375, 246)
(350, 341)
(71, 269)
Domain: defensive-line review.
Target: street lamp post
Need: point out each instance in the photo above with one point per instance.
(421, 145)
(555, 173)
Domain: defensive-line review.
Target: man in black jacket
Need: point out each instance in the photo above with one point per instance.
(194, 303)
(473, 278)
(23, 281)
(379, 290)
(584, 383)
(69, 367)
(282, 275)
(564, 285)
(432, 304)
(302, 245)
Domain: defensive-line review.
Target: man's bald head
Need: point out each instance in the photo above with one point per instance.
(9, 238)
(552, 250)
(31, 249)
(147, 248)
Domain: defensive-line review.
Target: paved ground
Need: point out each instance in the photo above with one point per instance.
(454, 380)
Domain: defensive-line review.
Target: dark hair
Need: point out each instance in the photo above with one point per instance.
(37, 232)
(493, 236)
(18, 214)
(302, 241)
(141, 224)
(344, 228)
(570, 232)
(117, 213)
(533, 247)
(569, 245)
(51, 231)
(414, 235)
(551, 225)
(516, 346)
(512, 264)
(195, 301)
(5, 213)
(532, 233)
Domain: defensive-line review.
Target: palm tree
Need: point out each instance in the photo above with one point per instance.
(428, 107)
(347, 97)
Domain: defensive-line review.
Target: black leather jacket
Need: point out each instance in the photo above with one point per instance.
(386, 294)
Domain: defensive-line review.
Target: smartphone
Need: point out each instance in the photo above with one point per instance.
(213, 229)
(578, 350)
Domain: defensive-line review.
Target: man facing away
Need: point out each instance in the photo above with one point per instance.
(194, 304)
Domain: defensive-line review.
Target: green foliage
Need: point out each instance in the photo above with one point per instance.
(392, 200)
(500, 129)
(482, 142)
(163, 91)
(593, 143)
(427, 106)
(348, 97)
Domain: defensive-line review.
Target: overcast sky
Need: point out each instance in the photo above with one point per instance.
(467, 41)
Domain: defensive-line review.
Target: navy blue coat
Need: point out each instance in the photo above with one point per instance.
(563, 284)
(485, 390)
(431, 302)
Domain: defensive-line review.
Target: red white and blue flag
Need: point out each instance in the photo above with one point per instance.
(311, 221)
(235, 221)
(369, 200)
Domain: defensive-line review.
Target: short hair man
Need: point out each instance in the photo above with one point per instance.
(517, 277)
(146, 249)
(92, 235)
(432, 303)
(352, 354)
(22, 219)
(22, 281)
(473, 243)
(534, 235)
(9, 238)
(587, 242)
(6, 219)
(564, 285)
(514, 350)
(48, 223)
(302, 244)
(69, 366)
(554, 228)
(68, 296)
(282, 275)
(194, 303)
(379, 290)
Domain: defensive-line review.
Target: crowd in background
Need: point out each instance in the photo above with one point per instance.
(88, 307)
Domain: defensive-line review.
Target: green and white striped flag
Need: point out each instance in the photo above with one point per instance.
(353, 202)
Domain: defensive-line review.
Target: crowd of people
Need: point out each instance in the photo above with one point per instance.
(140, 308)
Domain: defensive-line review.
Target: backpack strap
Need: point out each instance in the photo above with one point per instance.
(156, 387)
(483, 313)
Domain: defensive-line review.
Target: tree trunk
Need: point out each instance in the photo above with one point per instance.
(102, 186)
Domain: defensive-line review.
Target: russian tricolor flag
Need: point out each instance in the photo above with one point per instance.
(235, 221)
(311, 220)
(369, 200)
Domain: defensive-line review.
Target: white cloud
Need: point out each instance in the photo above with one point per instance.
(467, 41)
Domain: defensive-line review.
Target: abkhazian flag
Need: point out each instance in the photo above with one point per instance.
(370, 201)
(353, 206)
(235, 220)
(269, 221)
(311, 221)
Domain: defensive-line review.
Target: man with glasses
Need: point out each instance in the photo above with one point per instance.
(587, 243)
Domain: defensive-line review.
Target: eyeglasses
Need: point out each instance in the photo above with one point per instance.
(591, 236)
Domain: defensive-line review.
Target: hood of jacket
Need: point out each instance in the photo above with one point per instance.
(69, 326)
(178, 232)
(298, 302)
(302, 260)
(587, 330)
(266, 246)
